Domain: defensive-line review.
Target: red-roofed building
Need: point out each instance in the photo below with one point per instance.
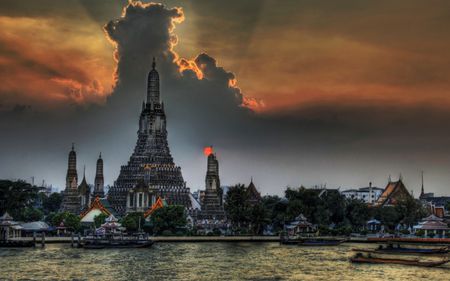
(394, 191)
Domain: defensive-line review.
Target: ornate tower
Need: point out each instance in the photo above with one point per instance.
(151, 160)
(71, 200)
(72, 175)
(99, 181)
(84, 192)
(212, 205)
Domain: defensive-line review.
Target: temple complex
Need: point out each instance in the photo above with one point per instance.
(151, 165)
(78, 198)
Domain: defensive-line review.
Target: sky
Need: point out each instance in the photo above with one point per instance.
(290, 93)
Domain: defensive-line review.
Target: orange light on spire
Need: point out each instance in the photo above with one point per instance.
(208, 150)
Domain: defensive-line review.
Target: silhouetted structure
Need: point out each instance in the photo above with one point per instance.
(151, 160)
(71, 200)
(99, 180)
(212, 204)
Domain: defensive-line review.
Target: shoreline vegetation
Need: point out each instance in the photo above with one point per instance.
(257, 239)
(331, 214)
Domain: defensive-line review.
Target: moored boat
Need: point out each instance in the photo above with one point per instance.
(312, 242)
(116, 243)
(406, 251)
(359, 258)
(16, 244)
(320, 242)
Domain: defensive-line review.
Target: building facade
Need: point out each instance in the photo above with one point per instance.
(151, 160)
(368, 194)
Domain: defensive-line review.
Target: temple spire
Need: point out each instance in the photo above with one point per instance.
(153, 85)
(422, 192)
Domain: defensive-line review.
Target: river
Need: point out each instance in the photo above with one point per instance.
(202, 261)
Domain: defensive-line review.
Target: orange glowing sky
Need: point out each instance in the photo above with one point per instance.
(283, 56)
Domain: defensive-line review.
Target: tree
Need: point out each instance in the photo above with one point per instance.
(259, 218)
(276, 209)
(70, 220)
(132, 221)
(52, 203)
(237, 206)
(100, 219)
(410, 211)
(31, 214)
(17, 195)
(357, 212)
(169, 218)
(388, 216)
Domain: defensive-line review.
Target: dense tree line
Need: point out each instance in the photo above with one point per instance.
(328, 209)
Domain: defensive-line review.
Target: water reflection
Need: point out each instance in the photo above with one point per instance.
(202, 261)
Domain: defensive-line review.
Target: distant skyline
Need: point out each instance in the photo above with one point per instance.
(304, 93)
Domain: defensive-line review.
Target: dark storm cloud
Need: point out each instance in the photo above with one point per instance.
(334, 142)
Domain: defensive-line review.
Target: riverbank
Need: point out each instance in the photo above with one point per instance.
(199, 239)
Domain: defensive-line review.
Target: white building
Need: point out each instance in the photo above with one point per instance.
(367, 194)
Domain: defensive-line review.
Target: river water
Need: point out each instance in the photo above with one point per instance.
(202, 261)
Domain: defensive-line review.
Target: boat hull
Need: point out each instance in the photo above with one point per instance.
(116, 244)
(406, 251)
(397, 261)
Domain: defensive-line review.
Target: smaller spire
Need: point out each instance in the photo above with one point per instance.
(73, 146)
(84, 171)
(251, 179)
(153, 63)
(100, 156)
(422, 192)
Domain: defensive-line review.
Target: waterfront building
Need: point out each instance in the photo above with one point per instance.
(35, 227)
(432, 224)
(9, 228)
(368, 194)
(71, 200)
(374, 226)
(300, 227)
(151, 159)
(394, 191)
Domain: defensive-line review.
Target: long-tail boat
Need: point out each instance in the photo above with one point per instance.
(16, 244)
(406, 251)
(312, 242)
(116, 243)
(359, 258)
(320, 242)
